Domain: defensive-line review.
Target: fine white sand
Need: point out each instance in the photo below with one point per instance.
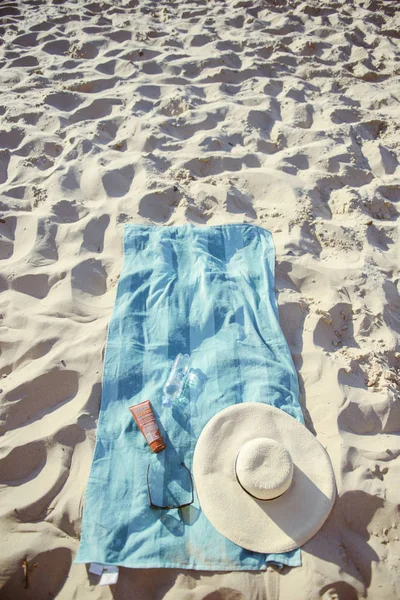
(282, 113)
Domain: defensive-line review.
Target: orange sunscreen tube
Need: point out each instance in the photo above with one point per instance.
(146, 421)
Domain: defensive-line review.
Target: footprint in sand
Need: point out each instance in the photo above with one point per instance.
(64, 101)
(58, 47)
(108, 67)
(11, 139)
(93, 235)
(31, 400)
(22, 461)
(35, 285)
(98, 109)
(68, 212)
(117, 182)
(339, 590)
(25, 61)
(159, 205)
(7, 228)
(89, 277)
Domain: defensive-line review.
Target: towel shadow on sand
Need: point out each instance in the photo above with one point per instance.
(345, 527)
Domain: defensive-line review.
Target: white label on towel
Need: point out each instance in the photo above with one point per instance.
(109, 576)
(96, 568)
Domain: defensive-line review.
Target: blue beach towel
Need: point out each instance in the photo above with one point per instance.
(207, 292)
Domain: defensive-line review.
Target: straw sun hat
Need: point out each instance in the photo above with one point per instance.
(262, 479)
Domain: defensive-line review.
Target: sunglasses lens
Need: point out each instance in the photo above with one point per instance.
(169, 483)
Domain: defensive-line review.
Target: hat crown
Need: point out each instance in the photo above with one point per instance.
(264, 468)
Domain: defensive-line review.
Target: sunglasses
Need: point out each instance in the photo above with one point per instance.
(152, 505)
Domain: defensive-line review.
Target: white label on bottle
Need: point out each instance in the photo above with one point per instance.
(150, 432)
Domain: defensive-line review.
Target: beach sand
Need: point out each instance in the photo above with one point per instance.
(285, 114)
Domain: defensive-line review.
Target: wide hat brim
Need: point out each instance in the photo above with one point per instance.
(271, 526)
